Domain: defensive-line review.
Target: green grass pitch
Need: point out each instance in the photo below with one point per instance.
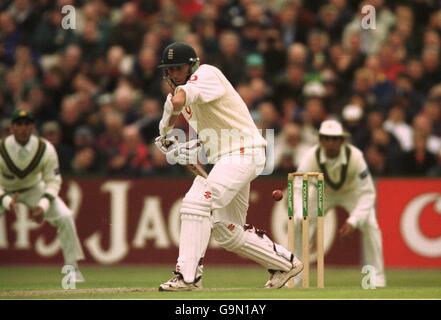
(235, 282)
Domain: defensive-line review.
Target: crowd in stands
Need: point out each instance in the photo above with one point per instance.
(97, 94)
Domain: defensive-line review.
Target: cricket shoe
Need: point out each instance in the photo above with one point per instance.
(380, 282)
(177, 283)
(278, 278)
(79, 277)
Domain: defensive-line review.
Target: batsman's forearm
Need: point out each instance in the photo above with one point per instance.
(167, 123)
(173, 120)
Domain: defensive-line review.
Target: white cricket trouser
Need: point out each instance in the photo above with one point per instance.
(230, 181)
(59, 216)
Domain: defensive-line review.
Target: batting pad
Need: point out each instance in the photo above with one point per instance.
(195, 229)
(252, 245)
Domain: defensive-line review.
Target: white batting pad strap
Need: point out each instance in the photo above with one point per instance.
(282, 251)
(249, 244)
(198, 199)
(261, 251)
(196, 207)
(230, 236)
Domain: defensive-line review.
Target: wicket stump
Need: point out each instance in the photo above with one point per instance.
(305, 226)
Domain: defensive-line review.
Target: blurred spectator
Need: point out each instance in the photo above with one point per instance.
(415, 70)
(149, 123)
(318, 42)
(432, 108)
(290, 86)
(26, 16)
(125, 103)
(51, 131)
(10, 38)
(376, 161)
(435, 171)
(419, 160)
(389, 148)
(273, 52)
(254, 66)
(85, 162)
(371, 39)
(53, 86)
(314, 114)
(268, 117)
(407, 96)
(297, 53)
(432, 68)
(230, 58)
(88, 159)
(133, 155)
(289, 148)
(396, 125)
(251, 33)
(390, 61)
(70, 63)
(108, 141)
(146, 74)
(4, 128)
(113, 68)
(353, 121)
(328, 21)
(293, 63)
(129, 31)
(70, 118)
(422, 124)
(48, 37)
(290, 25)
(92, 42)
(260, 91)
(39, 105)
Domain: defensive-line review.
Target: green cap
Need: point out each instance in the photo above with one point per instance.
(20, 114)
(254, 60)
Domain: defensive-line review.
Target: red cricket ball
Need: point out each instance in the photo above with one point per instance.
(277, 195)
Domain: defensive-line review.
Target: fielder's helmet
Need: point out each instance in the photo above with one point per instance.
(178, 54)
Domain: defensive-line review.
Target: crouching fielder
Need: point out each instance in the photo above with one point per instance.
(217, 204)
(30, 174)
(348, 184)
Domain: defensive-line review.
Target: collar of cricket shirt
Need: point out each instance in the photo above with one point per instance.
(27, 147)
(41, 147)
(343, 159)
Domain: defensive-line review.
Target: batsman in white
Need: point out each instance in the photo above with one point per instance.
(217, 204)
(348, 184)
(30, 174)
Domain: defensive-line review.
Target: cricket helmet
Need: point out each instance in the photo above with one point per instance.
(178, 54)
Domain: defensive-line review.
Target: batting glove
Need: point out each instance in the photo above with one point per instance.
(185, 153)
(165, 144)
